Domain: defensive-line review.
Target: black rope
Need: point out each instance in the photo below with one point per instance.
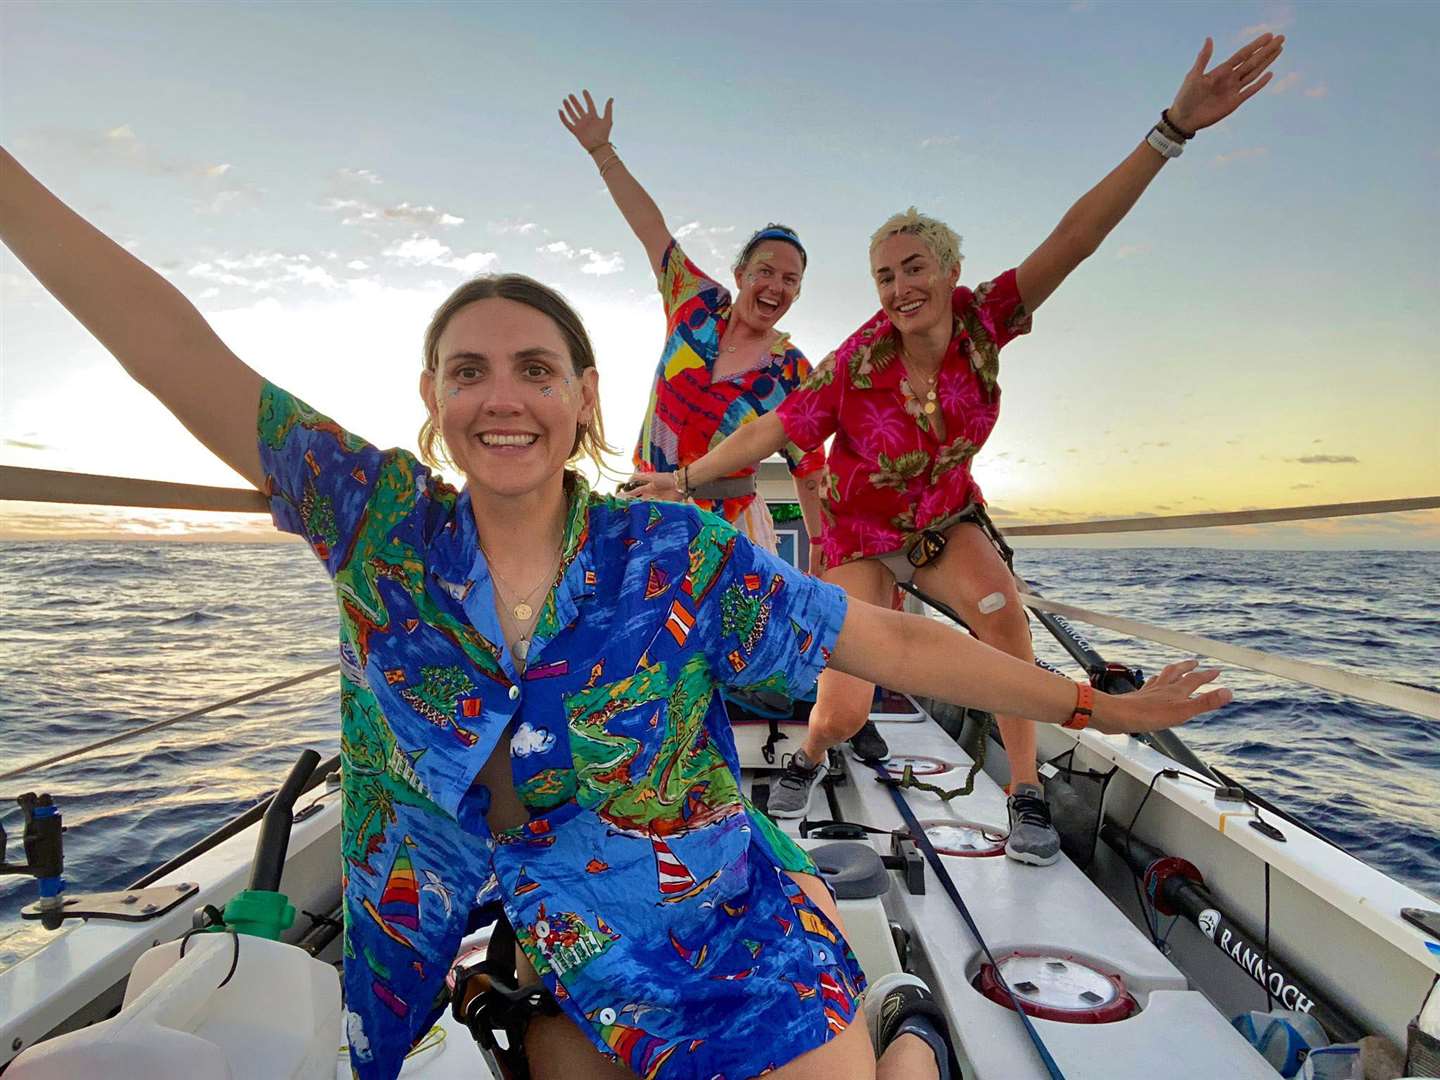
(234, 958)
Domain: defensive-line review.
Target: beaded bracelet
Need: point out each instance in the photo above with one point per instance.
(1180, 133)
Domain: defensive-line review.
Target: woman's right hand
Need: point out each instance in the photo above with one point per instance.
(1165, 701)
(659, 486)
(590, 128)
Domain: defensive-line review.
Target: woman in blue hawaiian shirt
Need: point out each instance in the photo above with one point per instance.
(528, 690)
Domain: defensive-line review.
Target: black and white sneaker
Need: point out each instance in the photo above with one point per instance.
(792, 790)
(869, 745)
(901, 1004)
(1033, 838)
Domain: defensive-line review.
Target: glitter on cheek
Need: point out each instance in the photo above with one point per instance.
(546, 391)
(454, 392)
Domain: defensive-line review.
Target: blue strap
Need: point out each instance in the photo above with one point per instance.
(933, 858)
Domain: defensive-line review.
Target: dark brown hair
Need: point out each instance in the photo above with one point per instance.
(590, 440)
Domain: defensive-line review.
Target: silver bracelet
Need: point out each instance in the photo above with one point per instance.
(1163, 145)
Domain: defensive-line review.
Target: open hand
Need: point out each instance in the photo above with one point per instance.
(1163, 702)
(660, 486)
(1207, 97)
(587, 124)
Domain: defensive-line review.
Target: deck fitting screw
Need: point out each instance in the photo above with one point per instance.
(130, 899)
(17, 1044)
(147, 909)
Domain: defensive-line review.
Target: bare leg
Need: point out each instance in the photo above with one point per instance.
(558, 1050)
(907, 1058)
(842, 702)
(968, 572)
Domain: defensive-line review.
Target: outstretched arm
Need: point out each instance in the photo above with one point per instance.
(1204, 98)
(750, 444)
(155, 333)
(592, 130)
(923, 657)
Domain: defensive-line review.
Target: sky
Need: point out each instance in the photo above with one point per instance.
(1259, 331)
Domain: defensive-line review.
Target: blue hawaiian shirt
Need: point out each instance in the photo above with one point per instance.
(649, 894)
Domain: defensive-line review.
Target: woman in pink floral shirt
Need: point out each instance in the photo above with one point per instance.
(912, 396)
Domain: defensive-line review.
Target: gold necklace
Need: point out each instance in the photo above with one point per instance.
(929, 405)
(521, 610)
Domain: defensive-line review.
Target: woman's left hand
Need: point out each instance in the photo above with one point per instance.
(1206, 98)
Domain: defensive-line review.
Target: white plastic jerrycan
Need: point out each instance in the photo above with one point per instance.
(278, 1018)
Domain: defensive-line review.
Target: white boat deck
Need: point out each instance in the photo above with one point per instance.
(1053, 909)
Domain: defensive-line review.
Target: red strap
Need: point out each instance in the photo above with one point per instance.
(1084, 707)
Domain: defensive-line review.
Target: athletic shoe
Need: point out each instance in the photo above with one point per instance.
(869, 745)
(900, 1003)
(1033, 838)
(791, 791)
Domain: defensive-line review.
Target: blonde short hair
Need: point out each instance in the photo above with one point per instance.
(942, 240)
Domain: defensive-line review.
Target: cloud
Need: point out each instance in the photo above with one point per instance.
(1241, 155)
(366, 176)
(358, 211)
(21, 444)
(931, 141)
(1129, 251)
(421, 250)
(1327, 459)
(1278, 17)
(595, 262)
(1319, 90)
(1081, 6)
(357, 264)
(1284, 84)
(528, 740)
(262, 271)
(121, 147)
(1300, 487)
(516, 226)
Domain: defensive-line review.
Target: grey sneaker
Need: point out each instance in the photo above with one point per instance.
(869, 745)
(1032, 839)
(791, 791)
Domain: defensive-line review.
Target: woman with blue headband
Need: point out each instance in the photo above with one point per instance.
(725, 363)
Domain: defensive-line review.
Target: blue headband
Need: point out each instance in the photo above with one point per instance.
(776, 234)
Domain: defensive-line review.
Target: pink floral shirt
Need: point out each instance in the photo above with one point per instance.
(889, 473)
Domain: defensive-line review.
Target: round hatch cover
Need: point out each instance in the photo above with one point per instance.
(1052, 986)
(964, 838)
(922, 765)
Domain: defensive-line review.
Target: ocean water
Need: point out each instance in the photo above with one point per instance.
(97, 637)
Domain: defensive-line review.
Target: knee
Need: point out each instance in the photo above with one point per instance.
(834, 722)
(1001, 621)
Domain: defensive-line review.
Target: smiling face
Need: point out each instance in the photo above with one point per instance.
(769, 283)
(914, 288)
(506, 398)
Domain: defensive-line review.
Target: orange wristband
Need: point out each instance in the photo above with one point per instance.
(1084, 707)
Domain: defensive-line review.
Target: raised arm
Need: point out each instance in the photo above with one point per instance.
(750, 444)
(592, 130)
(1204, 98)
(155, 333)
(924, 657)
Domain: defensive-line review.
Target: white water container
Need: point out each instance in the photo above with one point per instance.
(278, 1018)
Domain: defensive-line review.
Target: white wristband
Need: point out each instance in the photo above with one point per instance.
(1163, 145)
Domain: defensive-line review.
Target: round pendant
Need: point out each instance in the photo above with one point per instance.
(929, 407)
(523, 611)
(930, 394)
(522, 648)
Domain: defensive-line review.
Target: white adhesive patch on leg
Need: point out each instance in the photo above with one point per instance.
(990, 604)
